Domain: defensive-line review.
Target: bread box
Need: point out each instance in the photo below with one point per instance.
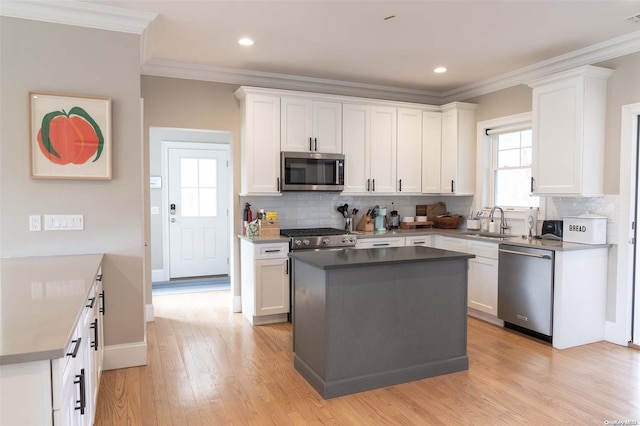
(585, 229)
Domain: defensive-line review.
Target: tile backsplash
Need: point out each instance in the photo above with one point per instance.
(319, 209)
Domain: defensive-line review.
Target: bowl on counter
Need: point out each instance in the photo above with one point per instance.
(421, 218)
(447, 222)
(408, 219)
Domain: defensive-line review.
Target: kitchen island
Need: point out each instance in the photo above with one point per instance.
(370, 318)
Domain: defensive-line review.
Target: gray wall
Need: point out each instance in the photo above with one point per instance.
(189, 104)
(38, 56)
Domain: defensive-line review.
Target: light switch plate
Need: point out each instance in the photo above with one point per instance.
(54, 222)
(35, 223)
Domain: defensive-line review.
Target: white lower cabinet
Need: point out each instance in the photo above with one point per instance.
(265, 282)
(482, 296)
(61, 391)
(381, 242)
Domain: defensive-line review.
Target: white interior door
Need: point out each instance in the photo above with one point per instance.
(198, 212)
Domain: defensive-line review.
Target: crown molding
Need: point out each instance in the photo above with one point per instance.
(594, 54)
(82, 14)
(243, 77)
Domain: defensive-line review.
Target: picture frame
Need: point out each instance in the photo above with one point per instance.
(70, 136)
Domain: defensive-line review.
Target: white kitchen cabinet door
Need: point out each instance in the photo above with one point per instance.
(431, 151)
(458, 155)
(327, 127)
(409, 151)
(272, 286)
(356, 130)
(382, 242)
(260, 143)
(296, 124)
(383, 149)
(569, 111)
(264, 281)
(310, 126)
(483, 285)
(419, 241)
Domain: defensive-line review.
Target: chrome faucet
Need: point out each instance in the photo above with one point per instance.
(503, 223)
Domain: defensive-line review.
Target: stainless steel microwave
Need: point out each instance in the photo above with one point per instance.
(311, 171)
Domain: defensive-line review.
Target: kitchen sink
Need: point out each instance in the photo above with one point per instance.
(489, 235)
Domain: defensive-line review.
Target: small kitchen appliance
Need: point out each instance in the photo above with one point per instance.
(394, 219)
(552, 228)
(380, 219)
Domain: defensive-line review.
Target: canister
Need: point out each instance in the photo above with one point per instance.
(585, 229)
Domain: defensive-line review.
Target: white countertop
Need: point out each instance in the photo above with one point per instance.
(41, 299)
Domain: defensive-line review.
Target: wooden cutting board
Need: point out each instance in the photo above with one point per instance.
(431, 210)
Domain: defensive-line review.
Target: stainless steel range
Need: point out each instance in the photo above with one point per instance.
(318, 238)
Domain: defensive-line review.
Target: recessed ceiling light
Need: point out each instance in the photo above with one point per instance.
(440, 70)
(246, 41)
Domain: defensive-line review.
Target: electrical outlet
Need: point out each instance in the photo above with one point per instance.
(35, 224)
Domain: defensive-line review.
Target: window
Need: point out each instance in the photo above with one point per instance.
(511, 160)
(198, 187)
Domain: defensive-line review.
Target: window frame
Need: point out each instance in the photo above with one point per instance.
(484, 198)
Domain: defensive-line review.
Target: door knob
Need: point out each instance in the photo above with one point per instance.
(173, 220)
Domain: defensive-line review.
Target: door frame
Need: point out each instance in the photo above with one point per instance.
(166, 146)
(619, 329)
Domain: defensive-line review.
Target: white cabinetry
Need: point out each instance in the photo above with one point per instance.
(458, 155)
(381, 242)
(483, 274)
(483, 277)
(568, 132)
(265, 282)
(431, 151)
(260, 142)
(311, 125)
(369, 145)
(419, 240)
(409, 151)
(59, 391)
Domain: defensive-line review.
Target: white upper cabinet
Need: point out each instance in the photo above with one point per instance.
(458, 155)
(369, 145)
(260, 142)
(409, 151)
(311, 125)
(431, 151)
(568, 132)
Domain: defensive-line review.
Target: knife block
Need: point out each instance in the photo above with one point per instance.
(365, 224)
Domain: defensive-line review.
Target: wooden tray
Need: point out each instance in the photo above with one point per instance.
(412, 225)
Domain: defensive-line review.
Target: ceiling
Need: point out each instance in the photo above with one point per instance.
(350, 43)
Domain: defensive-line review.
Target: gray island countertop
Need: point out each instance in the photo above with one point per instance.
(349, 258)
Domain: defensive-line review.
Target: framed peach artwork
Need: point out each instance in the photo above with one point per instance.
(70, 136)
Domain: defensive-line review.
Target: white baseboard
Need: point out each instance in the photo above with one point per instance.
(485, 317)
(158, 275)
(237, 303)
(123, 356)
(615, 334)
(148, 312)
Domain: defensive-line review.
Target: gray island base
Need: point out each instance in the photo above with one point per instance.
(370, 318)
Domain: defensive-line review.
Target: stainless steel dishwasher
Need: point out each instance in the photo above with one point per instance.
(525, 289)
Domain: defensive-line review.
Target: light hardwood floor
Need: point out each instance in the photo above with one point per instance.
(208, 366)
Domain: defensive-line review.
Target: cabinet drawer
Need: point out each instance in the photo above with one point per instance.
(483, 249)
(380, 242)
(270, 251)
(422, 240)
(453, 244)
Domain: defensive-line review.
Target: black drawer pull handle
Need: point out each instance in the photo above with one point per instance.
(94, 327)
(273, 251)
(82, 401)
(74, 352)
(90, 304)
(102, 302)
(381, 245)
